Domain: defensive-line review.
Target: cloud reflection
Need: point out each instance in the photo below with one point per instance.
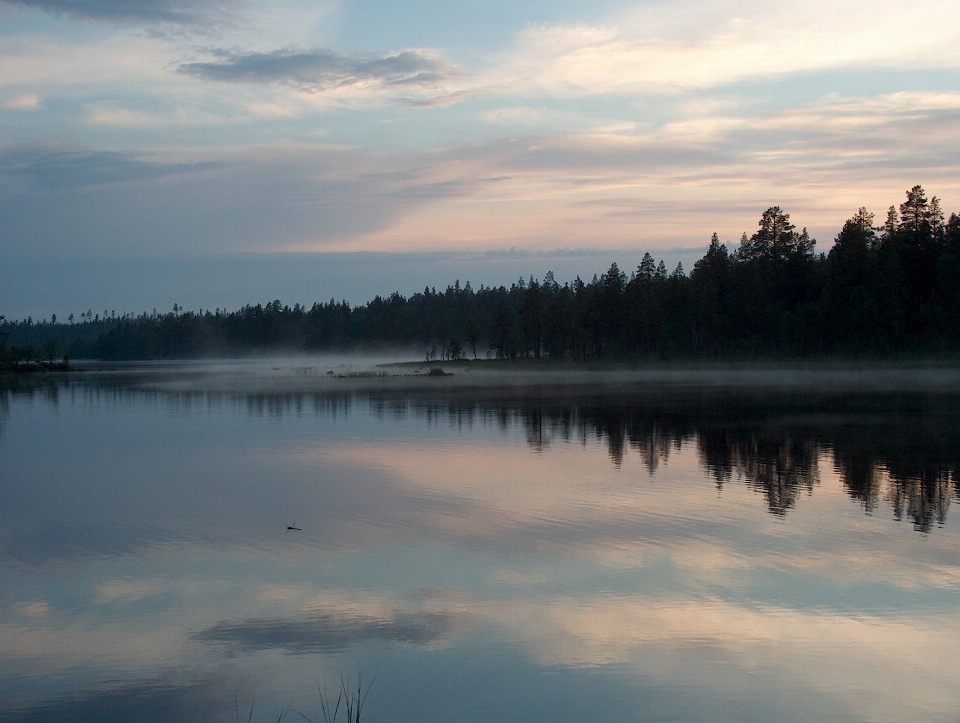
(330, 632)
(705, 540)
(170, 697)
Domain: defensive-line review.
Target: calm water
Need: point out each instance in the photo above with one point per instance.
(629, 551)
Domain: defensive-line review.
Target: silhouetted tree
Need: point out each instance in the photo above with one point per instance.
(888, 290)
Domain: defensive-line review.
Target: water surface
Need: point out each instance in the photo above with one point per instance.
(513, 551)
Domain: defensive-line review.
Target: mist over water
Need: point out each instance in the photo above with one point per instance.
(723, 545)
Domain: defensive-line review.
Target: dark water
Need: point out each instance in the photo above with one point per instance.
(563, 552)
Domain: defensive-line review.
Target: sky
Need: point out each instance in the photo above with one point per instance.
(142, 142)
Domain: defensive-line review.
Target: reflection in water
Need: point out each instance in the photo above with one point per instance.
(910, 458)
(564, 551)
(902, 449)
(327, 632)
(170, 698)
(779, 468)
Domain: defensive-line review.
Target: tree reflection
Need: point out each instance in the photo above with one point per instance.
(779, 467)
(894, 450)
(923, 498)
(4, 409)
(898, 449)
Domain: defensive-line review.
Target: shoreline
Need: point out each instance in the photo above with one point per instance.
(311, 375)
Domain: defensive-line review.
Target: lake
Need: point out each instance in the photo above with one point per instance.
(689, 546)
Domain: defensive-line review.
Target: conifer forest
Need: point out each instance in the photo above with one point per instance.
(885, 288)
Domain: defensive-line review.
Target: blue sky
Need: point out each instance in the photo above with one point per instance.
(195, 128)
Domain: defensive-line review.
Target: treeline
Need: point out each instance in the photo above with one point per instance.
(28, 344)
(28, 357)
(884, 290)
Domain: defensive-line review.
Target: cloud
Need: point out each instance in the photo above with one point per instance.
(122, 117)
(613, 189)
(232, 199)
(172, 12)
(445, 99)
(693, 45)
(320, 69)
(27, 101)
(54, 167)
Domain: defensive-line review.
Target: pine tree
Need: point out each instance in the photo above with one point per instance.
(915, 216)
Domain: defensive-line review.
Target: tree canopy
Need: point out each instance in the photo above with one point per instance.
(880, 291)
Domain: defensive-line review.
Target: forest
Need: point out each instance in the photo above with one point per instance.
(882, 290)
